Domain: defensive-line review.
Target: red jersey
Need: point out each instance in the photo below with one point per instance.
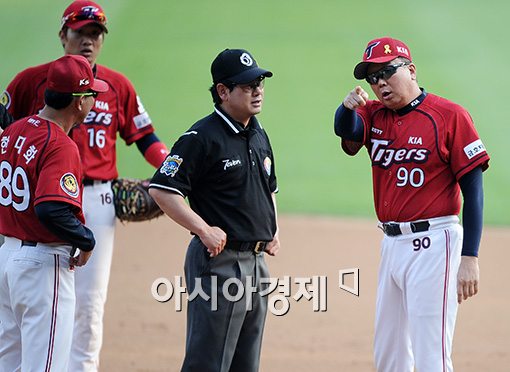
(119, 110)
(38, 163)
(418, 154)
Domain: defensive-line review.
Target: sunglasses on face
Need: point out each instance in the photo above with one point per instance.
(252, 87)
(86, 94)
(385, 73)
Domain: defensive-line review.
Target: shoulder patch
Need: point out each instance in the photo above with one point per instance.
(171, 165)
(474, 148)
(69, 184)
(142, 120)
(267, 165)
(5, 99)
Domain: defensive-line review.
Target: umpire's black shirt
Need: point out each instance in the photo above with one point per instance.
(227, 173)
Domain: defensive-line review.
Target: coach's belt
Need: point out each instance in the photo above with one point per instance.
(255, 247)
(89, 182)
(28, 243)
(393, 229)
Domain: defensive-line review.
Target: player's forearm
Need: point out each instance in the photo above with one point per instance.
(471, 185)
(348, 124)
(178, 210)
(60, 220)
(153, 150)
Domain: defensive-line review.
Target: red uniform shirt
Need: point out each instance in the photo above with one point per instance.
(38, 163)
(117, 110)
(418, 154)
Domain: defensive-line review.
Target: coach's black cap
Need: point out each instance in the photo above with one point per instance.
(236, 66)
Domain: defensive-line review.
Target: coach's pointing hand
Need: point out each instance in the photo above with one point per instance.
(356, 98)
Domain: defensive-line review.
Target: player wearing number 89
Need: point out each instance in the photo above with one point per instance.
(424, 151)
(42, 220)
(116, 112)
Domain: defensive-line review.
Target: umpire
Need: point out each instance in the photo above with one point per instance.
(224, 165)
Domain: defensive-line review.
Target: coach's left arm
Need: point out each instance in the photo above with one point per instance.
(471, 185)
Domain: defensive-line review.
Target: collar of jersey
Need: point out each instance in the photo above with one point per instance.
(413, 104)
(234, 125)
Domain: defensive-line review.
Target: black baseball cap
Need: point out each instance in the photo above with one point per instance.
(236, 66)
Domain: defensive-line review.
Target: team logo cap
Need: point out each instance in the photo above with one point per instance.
(83, 12)
(236, 66)
(381, 50)
(73, 74)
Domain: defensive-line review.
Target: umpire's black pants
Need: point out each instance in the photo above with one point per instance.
(228, 339)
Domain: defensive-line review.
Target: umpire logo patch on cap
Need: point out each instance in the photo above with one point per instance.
(171, 165)
(69, 184)
(246, 59)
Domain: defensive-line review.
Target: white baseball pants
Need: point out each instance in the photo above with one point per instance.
(36, 307)
(92, 279)
(416, 303)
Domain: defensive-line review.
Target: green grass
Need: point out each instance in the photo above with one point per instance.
(166, 47)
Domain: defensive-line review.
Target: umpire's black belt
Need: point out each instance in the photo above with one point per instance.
(393, 229)
(255, 247)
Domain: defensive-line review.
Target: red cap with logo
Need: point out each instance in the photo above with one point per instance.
(381, 50)
(73, 74)
(83, 12)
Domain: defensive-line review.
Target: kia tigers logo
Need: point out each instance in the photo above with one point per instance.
(84, 82)
(369, 49)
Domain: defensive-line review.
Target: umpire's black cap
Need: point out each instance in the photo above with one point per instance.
(236, 66)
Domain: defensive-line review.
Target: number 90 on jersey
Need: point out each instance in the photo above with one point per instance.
(414, 177)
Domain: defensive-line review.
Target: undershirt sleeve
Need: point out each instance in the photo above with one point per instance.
(348, 124)
(471, 186)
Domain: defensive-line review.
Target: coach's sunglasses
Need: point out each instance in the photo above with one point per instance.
(85, 94)
(384, 73)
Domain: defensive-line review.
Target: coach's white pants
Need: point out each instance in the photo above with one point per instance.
(92, 279)
(416, 303)
(36, 307)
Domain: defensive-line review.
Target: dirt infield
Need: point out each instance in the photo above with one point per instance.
(142, 334)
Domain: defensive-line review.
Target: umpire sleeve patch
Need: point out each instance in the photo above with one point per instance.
(69, 184)
(267, 165)
(171, 165)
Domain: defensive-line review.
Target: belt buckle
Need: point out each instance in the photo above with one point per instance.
(259, 247)
(392, 229)
(386, 228)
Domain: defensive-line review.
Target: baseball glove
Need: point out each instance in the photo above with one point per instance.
(132, 200)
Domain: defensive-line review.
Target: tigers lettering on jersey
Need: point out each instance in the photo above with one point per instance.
(101, 118)
(384, 156)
